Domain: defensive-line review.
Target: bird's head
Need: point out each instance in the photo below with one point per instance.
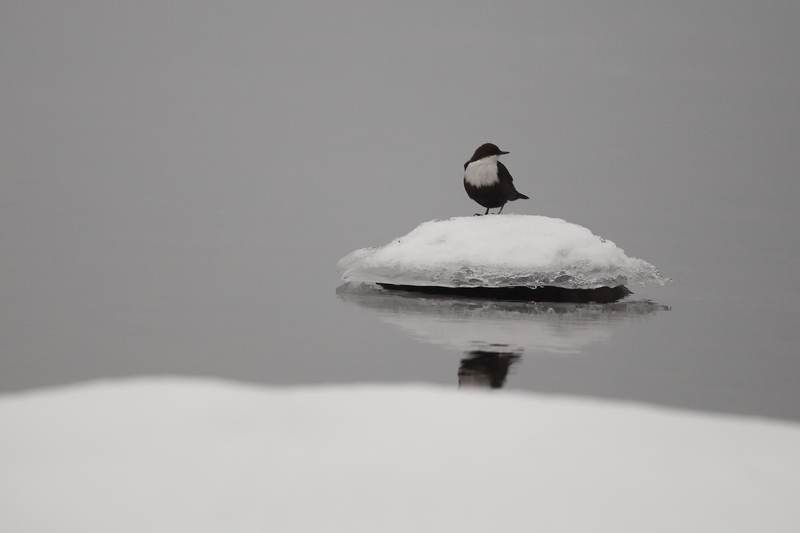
(486, 150)
(483, 151)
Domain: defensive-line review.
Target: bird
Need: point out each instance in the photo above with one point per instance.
(488, 181)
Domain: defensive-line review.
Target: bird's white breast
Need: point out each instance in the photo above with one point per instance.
(482, 173)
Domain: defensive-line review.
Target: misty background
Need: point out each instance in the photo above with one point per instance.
(178, 180)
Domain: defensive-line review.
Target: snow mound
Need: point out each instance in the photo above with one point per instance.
(196, 455)
(499, 251)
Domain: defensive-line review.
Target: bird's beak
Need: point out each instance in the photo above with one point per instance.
(504, 153)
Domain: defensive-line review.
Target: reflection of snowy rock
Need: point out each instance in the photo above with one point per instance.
(465, 324)
(499, 251)
(200, 456)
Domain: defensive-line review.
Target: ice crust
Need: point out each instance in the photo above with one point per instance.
(499, 251)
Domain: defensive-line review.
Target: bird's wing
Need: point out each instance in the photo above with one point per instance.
(503, 174)
(507, 183)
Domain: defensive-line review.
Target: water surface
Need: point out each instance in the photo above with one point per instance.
(177, 184)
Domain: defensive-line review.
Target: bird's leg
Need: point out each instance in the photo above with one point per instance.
(487, 211)
(501, 209)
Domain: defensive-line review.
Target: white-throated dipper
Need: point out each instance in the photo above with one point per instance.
(488, 181)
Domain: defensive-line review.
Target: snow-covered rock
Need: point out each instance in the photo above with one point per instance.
(174, 455)
(499, 251)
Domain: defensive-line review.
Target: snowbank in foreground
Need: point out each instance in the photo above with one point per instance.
(499, 251)
(204, 456)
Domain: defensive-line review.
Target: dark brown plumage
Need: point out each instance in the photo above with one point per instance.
(488, 181)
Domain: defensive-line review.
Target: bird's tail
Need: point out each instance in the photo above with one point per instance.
(521, 196)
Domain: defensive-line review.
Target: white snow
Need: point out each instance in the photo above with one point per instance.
(170, 455)
(499, 251)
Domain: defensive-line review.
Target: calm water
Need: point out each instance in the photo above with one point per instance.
(176, 205)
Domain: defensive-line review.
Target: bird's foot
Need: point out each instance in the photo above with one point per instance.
(478, 215)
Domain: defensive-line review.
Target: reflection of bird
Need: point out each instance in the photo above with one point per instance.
(487, 180)
(485, 369)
